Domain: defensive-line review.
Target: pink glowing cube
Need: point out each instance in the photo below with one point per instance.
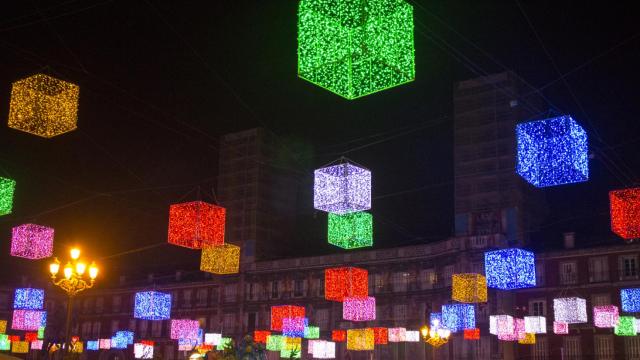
(359, 309)
(184, 329)
(605, 316)
(560, 327)
(29, 320)
(397, 334)
(32, 241)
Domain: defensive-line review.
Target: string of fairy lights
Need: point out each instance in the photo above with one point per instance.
(352, 51)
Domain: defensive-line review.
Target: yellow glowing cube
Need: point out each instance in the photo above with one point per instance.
(3, 326)
(469, 288)
(292, 343)
(529, 339)
(20, 347)
(360, 339)
(224, 259)
(77, 347)
(44, 106)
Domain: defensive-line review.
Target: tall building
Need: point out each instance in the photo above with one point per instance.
(258, 188)
(490, 198)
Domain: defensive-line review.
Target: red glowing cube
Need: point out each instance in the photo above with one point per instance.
(345, 282)
(472, 334)
(30, 336)
(260, 336)
(625, 212)
(196, 225)
(284, 311)
(380, 335)
(339, 335)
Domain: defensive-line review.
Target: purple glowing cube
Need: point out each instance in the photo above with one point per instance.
(32, 241)
(342, 189)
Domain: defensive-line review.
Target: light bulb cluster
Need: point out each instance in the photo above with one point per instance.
(469, 288)
(572, 310)
(7, 188)
(345, 282)
(509, 269)
(152, 305)
(360, 339)
(625, 212)
(359, 308)
(32, 241)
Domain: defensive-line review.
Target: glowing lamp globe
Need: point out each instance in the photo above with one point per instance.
(29, 320)
(435, 320)
(380, 335)
(355, 48)
(412, 336)
(105, 344)
(469, 288)
(196, 225)
(552, 152)
(360, 339)
(294, 326)
(560, 328)
(32, 241)
(359, 309)
(338, 335)
(152, 305)
(184, 329)
(345, 282)
(142, 351)
(28, 299)
(220, 260)
(529, 339)
(625, 212)
(259, 336)
(456, 317)
(605, 316)
(626, 326)
(278, 313)
(44, 106)
(93, 345)
(572, 310)
(20, 347)
(630, 299)
(7, 188)
(311, 332)
(509, 269)
(350, 231)
(341, 189)
(398, 334)
(472, 334)
(275, 342)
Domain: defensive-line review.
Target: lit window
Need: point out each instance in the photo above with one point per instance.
(537, 307)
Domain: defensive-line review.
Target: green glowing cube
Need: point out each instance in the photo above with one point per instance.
(626, 326)
(311, 332)
(275, 342)
(290, 354)
(352, 230)
(7, 187)
(356, 47)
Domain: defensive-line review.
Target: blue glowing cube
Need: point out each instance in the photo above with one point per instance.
(28, 299)
(630, 299)
(456, 317)
(127, 335)
(152, 305)
(552, 152)
(93, 345)
(119, 341)
(435, 320)
(509, 269)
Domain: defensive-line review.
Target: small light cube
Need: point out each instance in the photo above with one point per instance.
(7, 188)
(339, 335)
(572, 310)
(535, 324)
(278, 313)
(32, 241)
(311, 332)
(142, 351)
(469, 288)
(19, 347)
(293, 327)
(472, 334)
(360, 339)
(341, 189)
(3, 326)
(5, 343)
(456, 317)
(359, 309)
(501, 324)
(324, 350)
(529, 339)
(275, 342)
(28, 299)
(345, 282)
(560, 327)
(196, 225)
(93, 345)
(152, 305)
(625, 212)
(30, 336)
(380, 335)
(413, 336)
(630, 299)
(398, 334)
(224, 342)
(105, 344)
(605, 316)
(221, 260)
(29, 320)
(37, 345)
(626, 326)
(351, 231)
(213, 339)
(184, 329)
(259, 336)
(509, 269)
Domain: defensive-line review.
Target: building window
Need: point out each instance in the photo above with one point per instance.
(447, 273)
(115, 325)
(215, 294)
(400, 312)
(132, 325)
(4, 301)
(600, 299)
(95, 330)
(274, 289)
(628, 267)
(379, 282)
(603, 347)
(169, 353)
(572, 348)
(322, 318)
(427, 279)
(230, 293)
(399, 281)
(229, 323)
(116, 303)
(201, 297)
(598, 269)
(186, 297)
(540, 351)
(298, 288)
(540, 274)
(537, 307)
(86, 306)
(144, 324)
(156, 329)
(632, 347)
(86, 329)
(568, 274)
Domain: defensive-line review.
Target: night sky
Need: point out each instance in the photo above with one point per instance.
(160, 81)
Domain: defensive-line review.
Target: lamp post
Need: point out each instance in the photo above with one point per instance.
(72, 283)
(435, 336)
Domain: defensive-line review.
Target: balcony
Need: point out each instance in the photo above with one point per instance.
(598, 276)
(568, 278)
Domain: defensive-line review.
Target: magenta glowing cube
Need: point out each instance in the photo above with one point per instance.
(605, 316)
(30, 320)
(560, 327)
(32, 241)
(359, 309)
(342, 189)
(518, 332)
(184, 329)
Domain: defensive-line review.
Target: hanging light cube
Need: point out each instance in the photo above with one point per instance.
(605, 316)
(152, 305)
(3, 326)
(293, 327)
(259, 336)
(213, 339)
(351, 231)
(7, 188)
(93, 345)
(221, 260)
(345, 282)
(626, 326)
(529, 339)
(29, 320)
(105, 344)
(360, 339)
(28, 299)
(380, 335)
(32, 241)
(552, 152)
(196, 225)
(517, 334)
(625, 212)
(37, 345)
(413, 336)
(224, 342)
(469, 288)
(339, 335)
(535, 324)
(456, 317)
(41, 332)
(501, 324)
(125, 334)
(184, 329)
(630, 299)
(44, 106)
(278, 313)
(77, 347)
(572, 310)
(341, 189)
(509, 269)
(324, 350)
(290, 354)
(19, 347)
(142, 351)
(359, 309)
(355, 48)
(30, 336)
(472, 334)
(311, 332)
(398, 334)
(312, 344)
(560, 327)
(275, 342)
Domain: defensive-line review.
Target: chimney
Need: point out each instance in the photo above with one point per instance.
(569, 240)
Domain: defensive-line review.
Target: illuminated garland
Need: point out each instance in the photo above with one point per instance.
(359, 309)
(626, 326)
(456, 317)
(345, 282)
(625, 212)
(28, 299)
(571, 310)
(342, 189)
(509, 269)
(469, 288)
(221, 260)
(152, 305)
(630, 299)
(7, 188)
(605, 316)
(32, 241)
(552, 152)
(278, 313)
(355, 48)
(360, 339)
(196, 225)
(44, 106)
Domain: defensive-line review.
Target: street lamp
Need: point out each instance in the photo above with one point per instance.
(72, 282)
(435, 336)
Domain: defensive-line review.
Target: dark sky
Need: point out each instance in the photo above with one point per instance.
(162, 80)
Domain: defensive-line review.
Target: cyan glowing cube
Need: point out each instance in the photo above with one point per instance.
(509, 269)
(93, 345)
(342, 189)
(351, 231)
(457, 317)
(552, 152)
(355, 48)
(152, 305)
(630, 299)
(28, 299)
